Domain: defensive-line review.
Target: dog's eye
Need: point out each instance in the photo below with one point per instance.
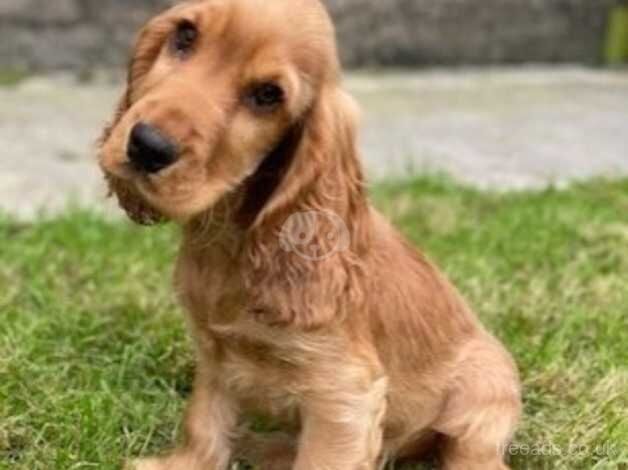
(265, 97)
(184, 37)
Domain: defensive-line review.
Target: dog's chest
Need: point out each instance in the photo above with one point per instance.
(257, 363)
(250, 363)
(257, 374)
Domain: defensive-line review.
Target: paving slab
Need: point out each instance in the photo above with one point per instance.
(504, 128)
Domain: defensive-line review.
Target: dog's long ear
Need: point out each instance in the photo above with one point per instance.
(147, 45)
(315, 167)
(145, 51)
(322, 182)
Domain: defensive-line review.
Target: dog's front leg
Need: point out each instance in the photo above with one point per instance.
(342, 428)
(208, 424)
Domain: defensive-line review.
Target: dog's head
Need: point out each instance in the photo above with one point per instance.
(221, 95)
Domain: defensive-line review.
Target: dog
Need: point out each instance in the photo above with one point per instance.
(304, 303)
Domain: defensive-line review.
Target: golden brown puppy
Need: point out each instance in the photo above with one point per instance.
(304, 303)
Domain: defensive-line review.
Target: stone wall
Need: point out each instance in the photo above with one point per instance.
(80, 34)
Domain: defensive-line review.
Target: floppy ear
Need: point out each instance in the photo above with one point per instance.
(315, 167)
(147, 46)
(322, 182)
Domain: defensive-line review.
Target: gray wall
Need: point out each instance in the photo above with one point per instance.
(79, 34)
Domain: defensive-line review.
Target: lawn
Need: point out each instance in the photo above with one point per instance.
(95, 363)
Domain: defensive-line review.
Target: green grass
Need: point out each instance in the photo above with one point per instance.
(95, 363)
(616, 45)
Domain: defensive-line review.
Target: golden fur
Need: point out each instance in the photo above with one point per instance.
(367, 354)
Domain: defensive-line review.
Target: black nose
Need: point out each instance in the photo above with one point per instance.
(149, 150)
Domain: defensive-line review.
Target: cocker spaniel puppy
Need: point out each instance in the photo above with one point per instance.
(304, 303)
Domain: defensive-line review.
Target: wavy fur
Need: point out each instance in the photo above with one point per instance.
(364, 355)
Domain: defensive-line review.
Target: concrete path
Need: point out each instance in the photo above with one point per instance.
(500, 128)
